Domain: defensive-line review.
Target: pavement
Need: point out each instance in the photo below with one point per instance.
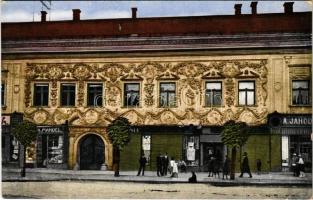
(43, 174)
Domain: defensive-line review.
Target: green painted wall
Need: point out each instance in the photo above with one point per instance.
(131, 153)
(257, 147)
(172, 144)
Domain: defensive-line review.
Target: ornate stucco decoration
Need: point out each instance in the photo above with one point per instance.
(189, 78)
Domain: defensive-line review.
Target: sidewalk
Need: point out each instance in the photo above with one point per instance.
(40, 174)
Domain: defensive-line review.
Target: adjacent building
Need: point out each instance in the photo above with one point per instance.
(177, 79)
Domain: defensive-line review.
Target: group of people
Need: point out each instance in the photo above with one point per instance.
(162, 162)
(297, 164)
(214, 166)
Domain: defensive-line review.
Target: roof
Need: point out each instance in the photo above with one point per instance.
(300, 22)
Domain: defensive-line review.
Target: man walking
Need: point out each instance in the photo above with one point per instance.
(142, 165)
(245, 165)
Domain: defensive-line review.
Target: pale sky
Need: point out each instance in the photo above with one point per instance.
(21, 11)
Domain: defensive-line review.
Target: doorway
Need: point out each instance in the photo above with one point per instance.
(91, 153)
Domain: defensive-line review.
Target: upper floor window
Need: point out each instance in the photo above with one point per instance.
(167, 94)
(68, 95)
(213, 93)
(246, 93)
(41, 94)
(2, 94)
(300, 93)
(94, 92)
(131, 94)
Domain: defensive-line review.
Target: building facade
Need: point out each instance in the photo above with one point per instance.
(177, 80)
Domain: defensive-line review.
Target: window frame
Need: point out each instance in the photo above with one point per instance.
(87, 93)
(175, 95)
(246, 93)
(68, 100)
(125, 93)
(308, 90)
(34, 94)
(3, 95)
(205, 94)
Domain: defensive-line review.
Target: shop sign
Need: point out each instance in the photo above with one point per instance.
(49, 130)
(297, 120)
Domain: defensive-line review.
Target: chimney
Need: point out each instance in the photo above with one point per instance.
(76, 14)
(134, 13)
(253, 6)
(288, 7)
(237, 9)
(43, 16)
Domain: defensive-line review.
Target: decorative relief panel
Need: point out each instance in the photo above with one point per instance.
(189, 77)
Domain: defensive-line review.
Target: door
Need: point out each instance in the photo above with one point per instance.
(91, 153)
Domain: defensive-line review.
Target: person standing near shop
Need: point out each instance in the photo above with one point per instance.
(301, 167)
(165, 164)
(245, 165)
(226, 167)
(294, 163)
(142, 165)
(159, 165)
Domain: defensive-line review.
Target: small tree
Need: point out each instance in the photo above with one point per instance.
(119, 133)
(234, 134)
(25, 133)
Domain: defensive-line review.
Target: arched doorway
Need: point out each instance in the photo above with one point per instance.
(91, 152)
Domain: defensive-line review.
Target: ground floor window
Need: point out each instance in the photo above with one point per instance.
(301, 144)
(146, 147)
(14, 149)
(191, 150)
(55, 149)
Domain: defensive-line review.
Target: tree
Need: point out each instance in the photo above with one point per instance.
(119, 133)
(234, 135)
(25, 132)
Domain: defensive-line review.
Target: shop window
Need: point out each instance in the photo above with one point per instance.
(55, 149)
(14, 149)
(167, 94)
(94, 94)
(213, 93)
(131, 94)
(68, 95)
(146, 146)
(41, 94)
(246, 93)
(300, 93)
(2, 94)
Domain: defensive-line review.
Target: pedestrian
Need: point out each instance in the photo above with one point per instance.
(193, 178)
(158, 163)
(171, 165)
(301, 167)
(175, 168)
(165, 164)
(245, 165)
(216, 167)
(294, 164)
(183, 166)
(258, 165)
(226, 167)
(211, 166)
(142, 165)
(162, 164)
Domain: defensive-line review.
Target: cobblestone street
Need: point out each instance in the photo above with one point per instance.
(88, 189)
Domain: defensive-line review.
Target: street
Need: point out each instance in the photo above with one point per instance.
(126, 190)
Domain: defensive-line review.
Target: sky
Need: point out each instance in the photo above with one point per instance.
(23, 11)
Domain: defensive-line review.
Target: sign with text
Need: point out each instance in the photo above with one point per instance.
(50, 130)
(297, 120)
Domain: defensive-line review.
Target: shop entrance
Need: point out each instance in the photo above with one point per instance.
(91, 153)
(212, 149)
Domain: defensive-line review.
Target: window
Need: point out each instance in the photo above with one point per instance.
(246, 93)
(167, 94)
(300, 93)
(94, 94)
(67, 95)
(131, 94)
(14, 149)
(213, 93)
(41, 94)
(55, 149)
(2, 94)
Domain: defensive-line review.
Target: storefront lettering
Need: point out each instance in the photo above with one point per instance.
(297, 121)
(49, 130)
